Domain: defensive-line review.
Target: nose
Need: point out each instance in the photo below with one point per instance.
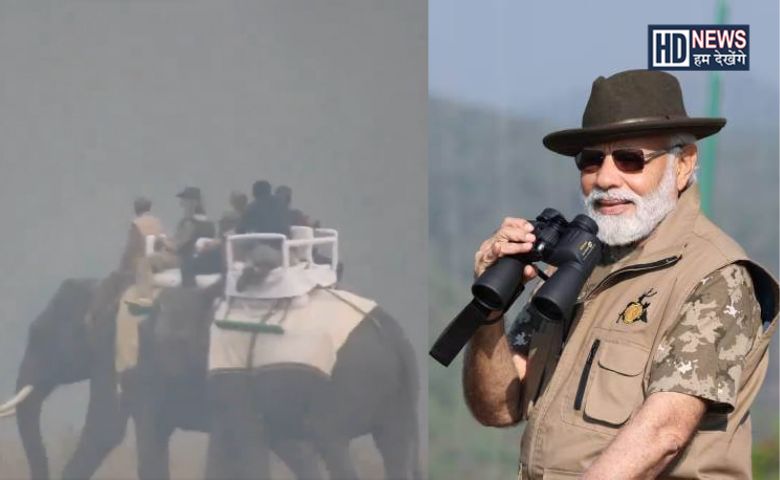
(608, 176)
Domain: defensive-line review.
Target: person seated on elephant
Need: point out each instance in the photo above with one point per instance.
(210, 256)
(264, 214)
(229, 220)
(143, 225)
(262, 259)
(293, 216)
(176, 252)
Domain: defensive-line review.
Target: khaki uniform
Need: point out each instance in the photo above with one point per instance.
(188, 231)
(228, 223)
(676, 314)
(135, 247)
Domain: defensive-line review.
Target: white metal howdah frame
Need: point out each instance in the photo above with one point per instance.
(298, 273)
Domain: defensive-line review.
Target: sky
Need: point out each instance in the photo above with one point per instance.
(518, 55)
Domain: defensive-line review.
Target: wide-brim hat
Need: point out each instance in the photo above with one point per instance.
(630, 104)
(192, 193)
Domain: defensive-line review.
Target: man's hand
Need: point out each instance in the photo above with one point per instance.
(207, 245)
(514, 236)
(165, 243)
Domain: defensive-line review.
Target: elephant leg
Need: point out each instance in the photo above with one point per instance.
(218, 462)
(151, 443)
(152, 436)
(236, 436)
(284, 397)
(299, 456)
(104, 429)
(396, 443)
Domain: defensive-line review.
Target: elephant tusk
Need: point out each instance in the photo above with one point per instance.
(9, 413)
(18, 398)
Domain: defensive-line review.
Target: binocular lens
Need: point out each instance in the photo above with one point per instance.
(487, 297)
(499, 285)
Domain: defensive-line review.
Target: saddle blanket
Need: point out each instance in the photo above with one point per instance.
(306, 331)
(126, 356)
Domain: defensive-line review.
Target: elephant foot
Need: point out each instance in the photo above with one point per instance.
(299, 457)
(335, 453)
(398, 447)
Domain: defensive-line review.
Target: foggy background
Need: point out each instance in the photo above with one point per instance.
(101, 101)
(502, 74)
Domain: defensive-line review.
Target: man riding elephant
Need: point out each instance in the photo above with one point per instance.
(176, 252)
(264, 214)
(143, 225)
(293, 216)
(229, 220)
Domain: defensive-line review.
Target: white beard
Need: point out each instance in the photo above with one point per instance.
(627, 228)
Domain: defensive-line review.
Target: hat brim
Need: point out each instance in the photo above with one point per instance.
(571, 142)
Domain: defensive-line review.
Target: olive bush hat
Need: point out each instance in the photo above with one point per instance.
(192, 193)
(629, 104)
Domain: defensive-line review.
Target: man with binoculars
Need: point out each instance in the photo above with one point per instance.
(665, 349)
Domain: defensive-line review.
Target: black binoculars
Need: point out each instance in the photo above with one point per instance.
(572, 247)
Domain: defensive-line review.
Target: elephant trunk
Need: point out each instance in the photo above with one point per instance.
(28, 421)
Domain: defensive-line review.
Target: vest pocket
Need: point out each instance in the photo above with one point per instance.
(615, 388)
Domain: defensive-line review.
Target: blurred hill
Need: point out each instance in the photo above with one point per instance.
(486, 164)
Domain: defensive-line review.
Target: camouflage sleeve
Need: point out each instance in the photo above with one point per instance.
(702, 354)
(520, 332)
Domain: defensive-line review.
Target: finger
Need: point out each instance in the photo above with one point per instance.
(515, 234)
(490, 257)
(481, 252)
(510, 248)
(517, 222)
(529, 272)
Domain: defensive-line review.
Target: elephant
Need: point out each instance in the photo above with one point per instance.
(64, 346)
(73, 340)
(303, 412)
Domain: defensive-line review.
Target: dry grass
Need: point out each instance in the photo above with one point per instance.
(188, 453)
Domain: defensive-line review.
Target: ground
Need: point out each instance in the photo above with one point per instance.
(188, 454)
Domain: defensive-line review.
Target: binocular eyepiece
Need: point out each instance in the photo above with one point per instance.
(572, 247)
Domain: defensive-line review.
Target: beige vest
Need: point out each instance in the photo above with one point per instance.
(148, 224)
(581, 408)
(135, 247)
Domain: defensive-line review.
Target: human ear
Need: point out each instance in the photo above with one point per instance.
(686, 164)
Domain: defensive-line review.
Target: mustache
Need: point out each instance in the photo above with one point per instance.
(615, 195)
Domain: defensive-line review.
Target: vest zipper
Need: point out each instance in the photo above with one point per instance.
(585, 374)
(630, 269)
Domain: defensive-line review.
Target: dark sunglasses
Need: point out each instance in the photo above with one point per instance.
(629, 160)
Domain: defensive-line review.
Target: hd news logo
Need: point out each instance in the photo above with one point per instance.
(698, 47)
